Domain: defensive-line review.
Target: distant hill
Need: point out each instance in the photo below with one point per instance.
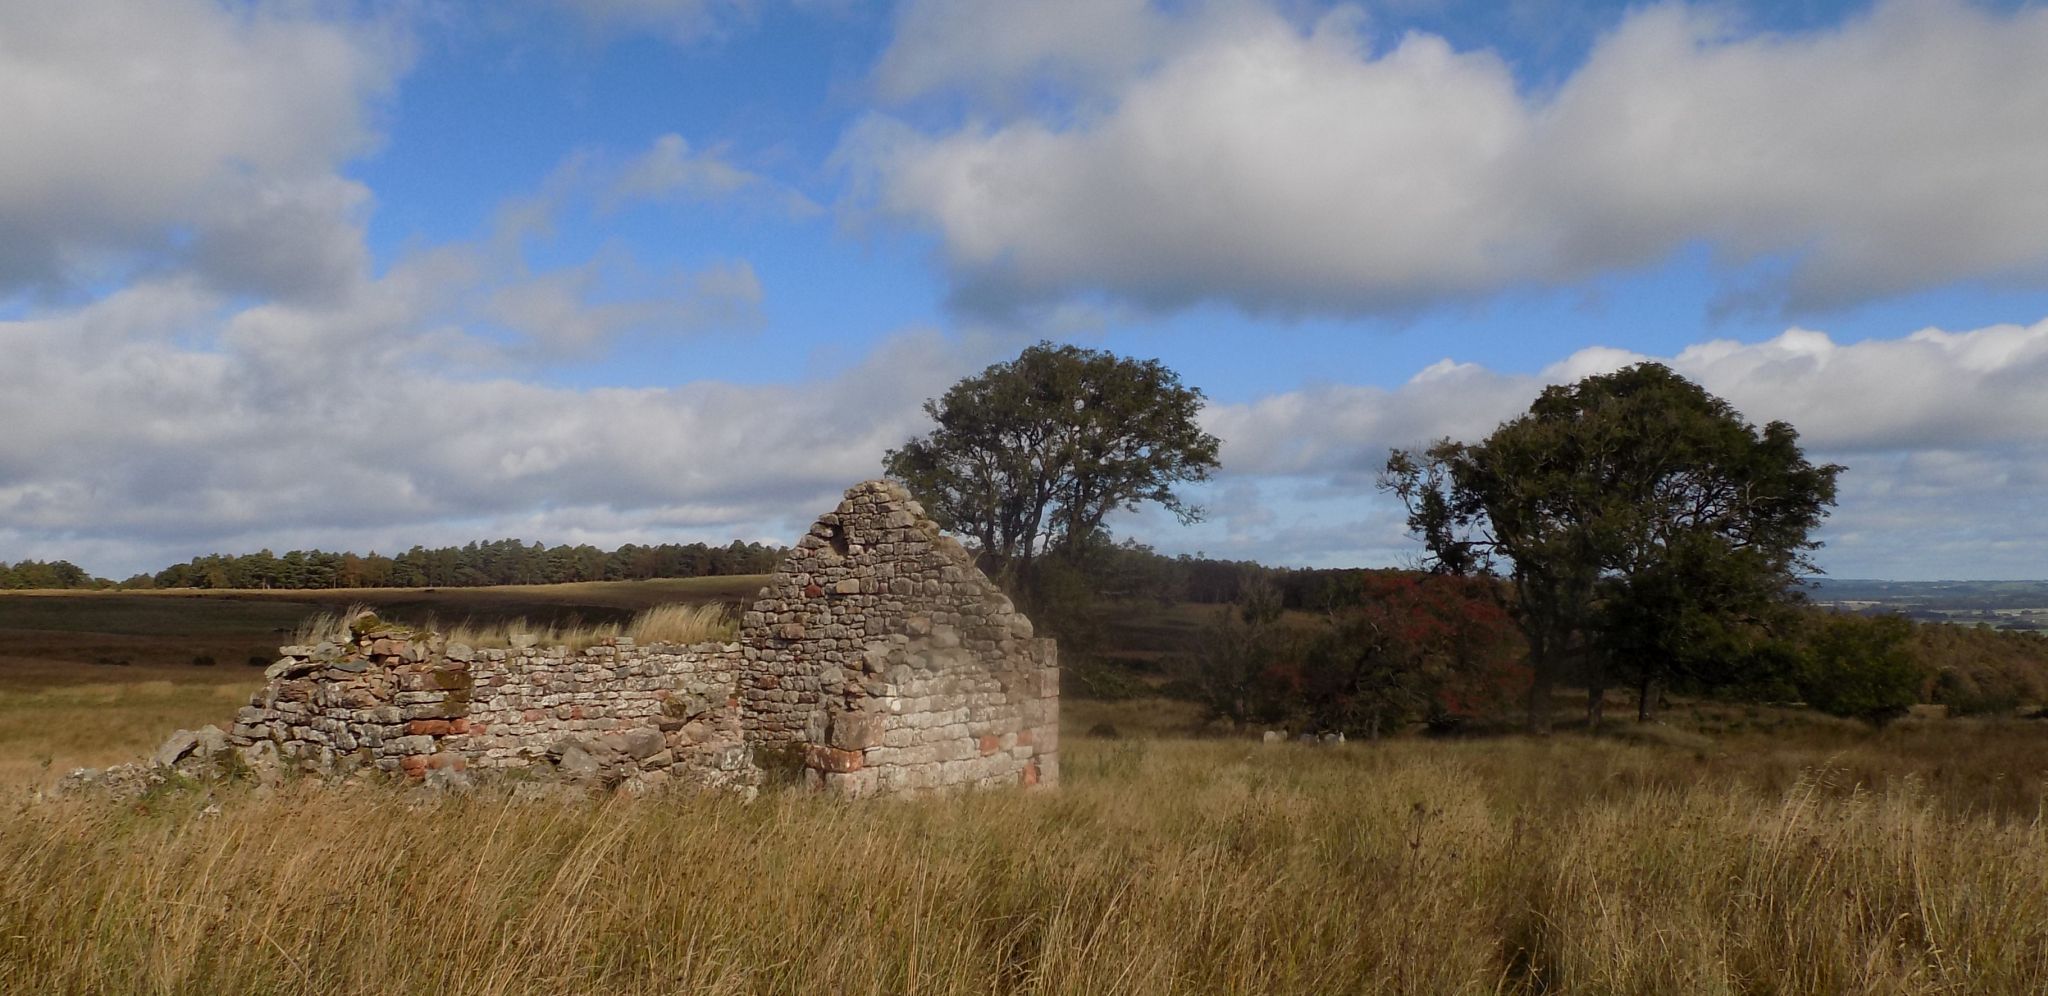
(1993, 655)
(2019, 605)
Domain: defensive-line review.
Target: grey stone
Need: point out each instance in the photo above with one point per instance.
(177, 746)
(211, 741)
(643, 743)
(576, 762)
(289, 667)
(856, 730)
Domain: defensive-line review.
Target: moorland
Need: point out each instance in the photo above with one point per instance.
(1728, 848)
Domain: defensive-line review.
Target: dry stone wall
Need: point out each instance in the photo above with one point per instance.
(881, 652)
(878, 660)
(415, 704)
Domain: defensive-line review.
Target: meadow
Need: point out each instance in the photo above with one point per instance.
(1739, 850)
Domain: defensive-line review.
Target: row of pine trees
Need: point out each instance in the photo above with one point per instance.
(487, 563)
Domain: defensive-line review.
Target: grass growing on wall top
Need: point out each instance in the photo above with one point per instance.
(678, 623)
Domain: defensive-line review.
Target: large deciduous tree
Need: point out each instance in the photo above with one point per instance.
(1642, 522)
(1030, 456)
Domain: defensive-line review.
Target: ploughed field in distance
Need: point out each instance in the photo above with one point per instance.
(1729, 849)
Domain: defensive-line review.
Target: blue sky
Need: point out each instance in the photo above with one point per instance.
(363, 276)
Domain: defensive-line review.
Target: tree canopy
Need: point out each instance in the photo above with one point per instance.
(1642, 521)
(46, 574)
(1033, 454)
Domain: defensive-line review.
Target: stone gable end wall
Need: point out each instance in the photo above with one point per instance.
(877, 660)
(881, 652)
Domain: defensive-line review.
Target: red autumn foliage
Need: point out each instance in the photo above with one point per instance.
(1403, 646)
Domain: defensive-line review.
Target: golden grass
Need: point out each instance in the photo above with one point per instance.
(1759, 851)
(683, 624)
(680, 623)
(675, 623)
(329, 626)
(1569, 866)
(48, 730)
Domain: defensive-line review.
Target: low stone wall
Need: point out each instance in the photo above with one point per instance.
(878, 659)
(413, 703)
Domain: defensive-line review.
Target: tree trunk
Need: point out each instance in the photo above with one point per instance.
(1539, 696)
(1596, 693)
(1646, 699)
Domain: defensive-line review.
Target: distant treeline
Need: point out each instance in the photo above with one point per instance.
(506, 561)
(53, 574)
(1134, 570)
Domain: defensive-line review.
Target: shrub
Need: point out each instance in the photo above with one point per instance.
(1861, 668)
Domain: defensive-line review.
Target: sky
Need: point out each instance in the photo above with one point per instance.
(362, 276)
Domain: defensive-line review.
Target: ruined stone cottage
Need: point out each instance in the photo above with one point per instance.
(878, 660)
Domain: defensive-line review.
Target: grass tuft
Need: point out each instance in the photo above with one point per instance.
(675, 623)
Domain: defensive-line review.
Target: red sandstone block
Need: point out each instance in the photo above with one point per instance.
(476, 728)
(458, 726)
(427, 728)
(453, 762)
(813, 591)
(990, 743)
(414, 765)
(1024, 737)
(1030, 776)
(533, 715)
(832, 759)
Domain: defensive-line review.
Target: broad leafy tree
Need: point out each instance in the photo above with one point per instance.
(1030, 456)
(1644, 524)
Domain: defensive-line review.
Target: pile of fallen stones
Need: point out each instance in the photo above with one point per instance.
(189, 755)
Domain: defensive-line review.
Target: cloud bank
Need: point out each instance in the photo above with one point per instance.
(1233, 155)
(138, 128)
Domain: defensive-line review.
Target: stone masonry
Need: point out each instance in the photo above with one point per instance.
(878, 660)
(881, 652)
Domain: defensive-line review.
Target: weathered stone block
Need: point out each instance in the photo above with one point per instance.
(831, 759)
(856, 730)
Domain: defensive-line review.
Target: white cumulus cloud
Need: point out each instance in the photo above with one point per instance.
(165, 421)
(136, 128)
(1288, 168)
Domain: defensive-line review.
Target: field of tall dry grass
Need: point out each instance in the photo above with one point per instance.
(1736, 850)
(1569, 865)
